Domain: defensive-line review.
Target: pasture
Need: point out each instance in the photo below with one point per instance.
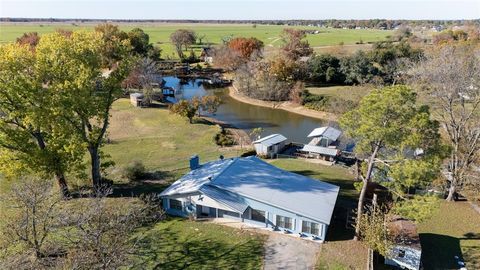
(210, 33)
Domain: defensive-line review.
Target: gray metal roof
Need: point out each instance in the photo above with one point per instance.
(327, 132)
(320, 150)
(271, 139)
(232, 200)
(230, 179)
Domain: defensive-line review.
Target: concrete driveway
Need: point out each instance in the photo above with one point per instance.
(286, 252)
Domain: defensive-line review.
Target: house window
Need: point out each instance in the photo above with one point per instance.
(284, 222)
(175, 204)
(258, 215)
(310, 227)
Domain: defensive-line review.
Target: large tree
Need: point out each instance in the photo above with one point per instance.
(182, 39)
(33, 138)
(294, 45)
(449, 77)
(72, 71)
(246, 47)
(388, 126)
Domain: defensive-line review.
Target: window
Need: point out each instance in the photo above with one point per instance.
(284, 222)
(310, 227)
(258, 215)
(175, 204)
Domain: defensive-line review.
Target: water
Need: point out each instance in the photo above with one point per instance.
(247, 117)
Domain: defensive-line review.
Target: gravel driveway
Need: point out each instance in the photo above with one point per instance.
(285, 252)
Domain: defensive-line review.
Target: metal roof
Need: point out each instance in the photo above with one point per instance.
(327, 132)
(258, 180)
(224, 197)
(320, 150)
(253, 178)
(271, 139)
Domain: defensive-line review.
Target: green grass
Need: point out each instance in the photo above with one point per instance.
(353, 93)
(453, 231)
(161, 140)
(183, 244)
(159, 33)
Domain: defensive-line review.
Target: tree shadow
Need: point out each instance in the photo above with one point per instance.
(439, 251)
(151, 183)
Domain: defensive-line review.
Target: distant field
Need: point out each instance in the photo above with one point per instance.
(159, 33)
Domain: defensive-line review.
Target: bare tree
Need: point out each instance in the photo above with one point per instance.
(144, 76)
(182, 38)
(28, 219)
(450, 77)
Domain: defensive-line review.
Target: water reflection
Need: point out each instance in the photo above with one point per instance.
(245, 116)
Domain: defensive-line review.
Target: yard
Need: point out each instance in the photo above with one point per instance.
(211, 33)
(183, 244)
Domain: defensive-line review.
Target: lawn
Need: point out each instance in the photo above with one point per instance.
(212, 33)
(347, 92)
(183, 244)
(453, 231)
(164, 142)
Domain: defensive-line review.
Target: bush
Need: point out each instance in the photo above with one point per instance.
(224, 138)
(134, 171)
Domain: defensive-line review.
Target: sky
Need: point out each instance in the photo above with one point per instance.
(242, 9)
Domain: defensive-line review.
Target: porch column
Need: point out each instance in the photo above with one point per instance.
(216, 212)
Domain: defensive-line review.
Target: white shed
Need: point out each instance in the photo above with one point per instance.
(270, 145)
(324, 136)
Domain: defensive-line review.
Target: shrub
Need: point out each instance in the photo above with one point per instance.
(224, 138)
(134, 171)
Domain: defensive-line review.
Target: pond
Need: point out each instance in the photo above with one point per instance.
(245, 116)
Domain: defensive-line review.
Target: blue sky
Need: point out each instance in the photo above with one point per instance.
(242, 9)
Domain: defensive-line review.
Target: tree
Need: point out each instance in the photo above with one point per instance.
(387, 125)
(33, 137)
(112, 37)
(185, 108)
(294, 46)
(182, 38)
(139, 40)
(210, 103)
(144, 75)
(227, 58)
(325, 68)
(29, 218)
(83, 96)
(449, 77)
(246, 47)
(256, 132)
(30, 39)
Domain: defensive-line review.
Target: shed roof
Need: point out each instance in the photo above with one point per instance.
(328, 132)
(136, 95)
(271, 139)
(320, 150)
(253, 178)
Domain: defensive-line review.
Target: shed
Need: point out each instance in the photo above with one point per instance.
(406, 251)
(136, 99)
(270, 145)
(324, 136)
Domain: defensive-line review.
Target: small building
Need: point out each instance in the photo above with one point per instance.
(406, 251)
(270, 145)
(207, 55)
(136, 99)
(324, 136)
(252, 191)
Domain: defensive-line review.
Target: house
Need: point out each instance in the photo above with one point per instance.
(252, 191)
(136, 99)
(270, 145)
(406, 251)
(323, 144)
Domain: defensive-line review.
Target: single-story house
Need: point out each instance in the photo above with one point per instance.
(406, 252)
(270, 145)
(252, 191)
(136, 99)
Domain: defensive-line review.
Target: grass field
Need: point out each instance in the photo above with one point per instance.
(453, 231)
(213, 33)
(161, 140)
(183, 244)
(354, 93)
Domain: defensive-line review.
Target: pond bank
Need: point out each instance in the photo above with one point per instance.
(241, 136)
(283, 105)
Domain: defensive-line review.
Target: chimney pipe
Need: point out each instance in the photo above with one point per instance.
(194, 162)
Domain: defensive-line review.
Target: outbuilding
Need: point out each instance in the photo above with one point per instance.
(270, 145)
(252, 191)
(136, 99)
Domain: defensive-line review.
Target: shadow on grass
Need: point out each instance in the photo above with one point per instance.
(180, 246)
(152, 182)
(439, 251)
